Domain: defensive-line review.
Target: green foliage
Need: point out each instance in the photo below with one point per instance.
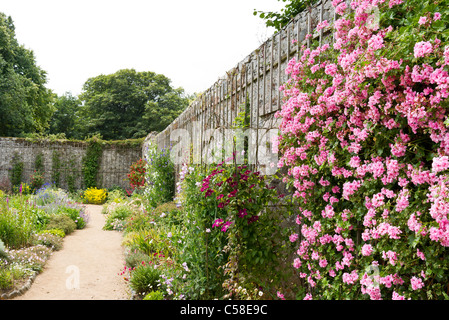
(160, 176)
(136, 175)
(203, 253)
(16, 169)
(57, 232)
(37, 180)
(145, 278)
(115, 219)
(63, 222)
(17, 222)
(74, 214)
(91, 162)
(134, 258)
(155, 295)
(278, 20)
(56, 166)
(48, 239)
(66, 119)
(6, 279)
(129, 104)
(25, 102)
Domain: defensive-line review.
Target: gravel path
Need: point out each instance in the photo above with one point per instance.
(86, 268)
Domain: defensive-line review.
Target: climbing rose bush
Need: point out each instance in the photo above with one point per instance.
(365, 144)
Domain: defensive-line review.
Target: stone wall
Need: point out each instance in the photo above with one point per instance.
(65, 158)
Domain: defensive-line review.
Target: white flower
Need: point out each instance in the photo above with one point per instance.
(169, 235)
(163, 214)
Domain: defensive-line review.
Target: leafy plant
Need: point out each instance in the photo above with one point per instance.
(76, 215)
(37, 180)
(17, 222)
(116, 218)
(160, 176)
(16, 170)
(91, 162)
(137, 174)
(63, 222)
(145, 278)
(155, 295)
(48, 239)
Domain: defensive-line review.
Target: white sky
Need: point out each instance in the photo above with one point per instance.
(192, 42)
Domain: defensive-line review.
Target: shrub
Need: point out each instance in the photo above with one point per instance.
(6, 279)
(137, 174)
(33, 257)
(364, 142)
(155, 295)
(95, 196)
(63, 222)
(159, 176)
(48, 239)
(37, 180)
(22, 188)
(116, 195)
(145, 278)
(56, 232)
(234, 203)
(77, 215)
(17, 222)
(116, 218)
(135, 258)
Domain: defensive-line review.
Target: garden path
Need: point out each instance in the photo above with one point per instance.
(86, 268)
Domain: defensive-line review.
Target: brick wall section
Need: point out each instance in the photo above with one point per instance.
(114, 167)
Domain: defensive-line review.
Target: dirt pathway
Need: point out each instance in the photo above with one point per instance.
(86, 268)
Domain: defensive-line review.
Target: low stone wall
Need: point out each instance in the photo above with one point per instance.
(63, 159)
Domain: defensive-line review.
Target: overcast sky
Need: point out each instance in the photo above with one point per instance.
(192, 42)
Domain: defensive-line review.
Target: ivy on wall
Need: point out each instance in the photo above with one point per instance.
(91, 162)
(16, 169)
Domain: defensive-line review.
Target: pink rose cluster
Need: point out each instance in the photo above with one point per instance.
(340, 103)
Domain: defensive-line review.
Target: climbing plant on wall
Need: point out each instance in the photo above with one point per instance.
(91, 162)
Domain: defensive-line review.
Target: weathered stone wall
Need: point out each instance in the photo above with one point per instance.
(65, 157)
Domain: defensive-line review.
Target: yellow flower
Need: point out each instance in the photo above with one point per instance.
(95, 195)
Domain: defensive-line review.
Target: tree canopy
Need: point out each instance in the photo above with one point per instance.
(25, 102)
(129, 104)
(278, 20)
(65, 118)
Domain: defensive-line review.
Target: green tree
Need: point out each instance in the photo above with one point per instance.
(129, 104)
(278, 20)
(25, 102)
(64, 119)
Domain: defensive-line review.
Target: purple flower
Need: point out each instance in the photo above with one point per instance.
(242, 213)
(232, 193)
(217, 223)
(226, 226)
